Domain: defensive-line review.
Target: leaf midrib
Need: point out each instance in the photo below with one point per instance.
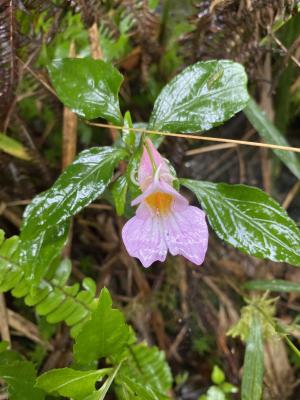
(96, 373)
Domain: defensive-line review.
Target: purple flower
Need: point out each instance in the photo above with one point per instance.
(164, 219)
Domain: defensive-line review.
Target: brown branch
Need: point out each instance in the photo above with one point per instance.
(69, 145)
(94, 38)
(4, 328)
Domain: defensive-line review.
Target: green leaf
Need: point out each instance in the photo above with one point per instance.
(20, 377)
(3, 347)
(51, 296)
(46, 219)
(137, 391)
(274, 285)
(153, 4)
(147, 367)
(271, 134)
(12, 147)
(101, 393)
(8, 357)
(214, 393)
(71, 383)
(9, 276)
(228, 388)
(90, 286)
(88, 87)
(217, 375)
(106, 331)
(62, 272)
(253, 369)
(132, 173)
(119, 192)
(248, 219)
(2, 235)
(129, 136)
(81, 183)
(202, 96)
(38, 250)
(287, 34)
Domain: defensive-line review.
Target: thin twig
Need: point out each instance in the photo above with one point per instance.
(172, 352)
(35, 75)
(281, 45)
(26, 328)
(291, 194)
(204, 138)
(207, 149)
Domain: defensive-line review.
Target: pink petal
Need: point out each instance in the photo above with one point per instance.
(186, 234)
(144, 239)
(146, 172)
(180, 202)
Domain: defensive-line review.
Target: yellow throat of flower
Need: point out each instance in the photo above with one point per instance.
(160, 202)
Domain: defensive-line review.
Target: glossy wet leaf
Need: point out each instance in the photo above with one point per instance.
(119, 192)
(202, 96)
(46, 219)
(81, 183)
(247, 218)
(129, 136)
(38, 250)
(13, 147)
(271, 134)
(253, 369)
(88, 87)
(71, 383)
(273, 285)
(107, 331)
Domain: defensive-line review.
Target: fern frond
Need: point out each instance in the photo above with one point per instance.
(232, 30)
(89, 10)
(140, 356)
(52, 297)
(145, 373)
(145, 27)
(146, 23)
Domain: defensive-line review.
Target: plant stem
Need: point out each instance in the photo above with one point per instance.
(154, 167)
